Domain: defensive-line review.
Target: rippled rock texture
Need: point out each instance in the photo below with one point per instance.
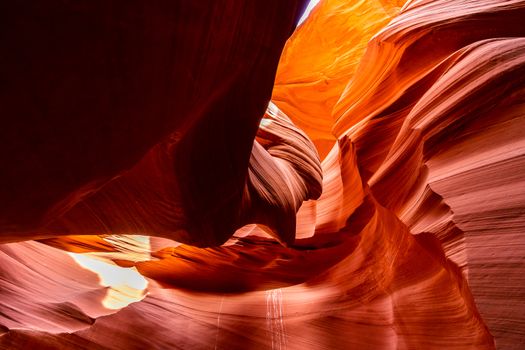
(153, 197)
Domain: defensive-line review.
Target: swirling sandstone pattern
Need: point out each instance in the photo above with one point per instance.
(378, 203)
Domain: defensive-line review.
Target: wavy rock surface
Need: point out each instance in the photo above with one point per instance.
(94, 93)
(408, 234)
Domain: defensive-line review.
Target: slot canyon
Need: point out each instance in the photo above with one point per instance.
(247, 174)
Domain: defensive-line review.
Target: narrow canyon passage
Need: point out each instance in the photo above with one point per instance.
(333, 174)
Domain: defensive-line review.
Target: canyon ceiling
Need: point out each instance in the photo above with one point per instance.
(206, 174)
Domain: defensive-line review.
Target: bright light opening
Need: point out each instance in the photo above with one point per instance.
(309, 9)
(125, 284)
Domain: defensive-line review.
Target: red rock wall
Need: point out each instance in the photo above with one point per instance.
(385, 179)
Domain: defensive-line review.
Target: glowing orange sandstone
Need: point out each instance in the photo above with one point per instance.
(406, 232)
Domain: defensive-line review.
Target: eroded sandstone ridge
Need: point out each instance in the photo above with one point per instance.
(202, 175)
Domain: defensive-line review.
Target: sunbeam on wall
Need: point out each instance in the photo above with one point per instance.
(125, 284)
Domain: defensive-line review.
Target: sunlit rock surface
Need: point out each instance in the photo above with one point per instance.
(154, 197)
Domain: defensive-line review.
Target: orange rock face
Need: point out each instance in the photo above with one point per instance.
(376, 202)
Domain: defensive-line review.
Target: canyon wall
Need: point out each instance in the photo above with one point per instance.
(157, 193)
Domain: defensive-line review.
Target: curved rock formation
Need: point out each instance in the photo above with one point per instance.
(377, 203)
(92, 91)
